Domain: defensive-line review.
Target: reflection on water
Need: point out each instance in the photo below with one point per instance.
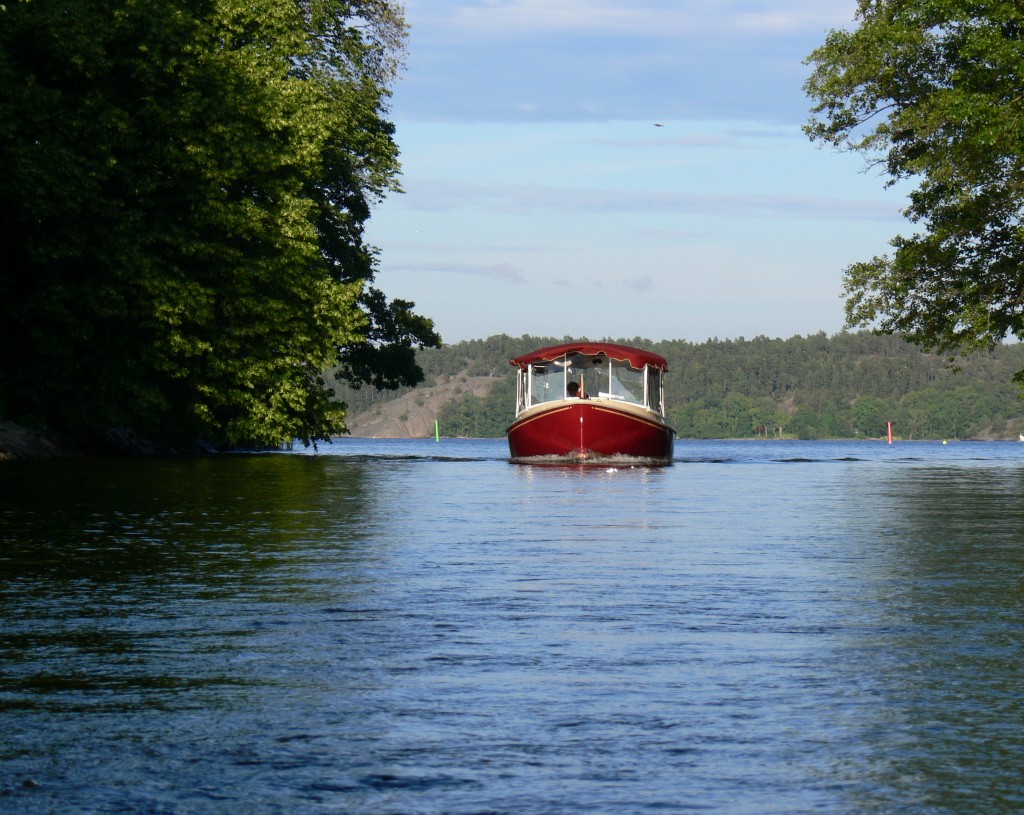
(935, 670)
(189, 520)
(409, 627)
(116, 575)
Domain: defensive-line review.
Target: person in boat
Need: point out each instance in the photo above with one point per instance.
(573, 389)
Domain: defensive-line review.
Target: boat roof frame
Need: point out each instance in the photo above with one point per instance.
(636, 357)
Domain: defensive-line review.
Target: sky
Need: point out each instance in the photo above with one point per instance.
(622, 169)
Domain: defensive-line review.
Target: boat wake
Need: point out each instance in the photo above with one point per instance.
(618, 460)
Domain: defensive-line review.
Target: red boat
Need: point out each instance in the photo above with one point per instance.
(590, 401)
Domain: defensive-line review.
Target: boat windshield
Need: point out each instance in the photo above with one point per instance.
(626, 383)
(595, 376)
(547, 383)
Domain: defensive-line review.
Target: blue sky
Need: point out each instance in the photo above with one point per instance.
(542, 196)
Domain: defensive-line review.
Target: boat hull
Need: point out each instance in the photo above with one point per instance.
(579, 430)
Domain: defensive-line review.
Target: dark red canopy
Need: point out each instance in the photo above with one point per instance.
(634, 356)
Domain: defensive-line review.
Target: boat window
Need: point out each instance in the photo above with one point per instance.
(654, 389)
(547, 383)
(595, 377)
(522, 389)
(574, 372)
(625, 383)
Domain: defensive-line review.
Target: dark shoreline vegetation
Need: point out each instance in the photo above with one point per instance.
(20, 442)
(184, 192)
(848, 385)
(844, 386)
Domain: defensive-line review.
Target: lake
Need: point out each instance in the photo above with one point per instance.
(423, 627)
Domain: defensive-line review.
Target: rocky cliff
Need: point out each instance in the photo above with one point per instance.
(412, 415)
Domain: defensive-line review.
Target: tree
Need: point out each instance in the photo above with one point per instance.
(933, 90)
(871, 414)
(183, 190)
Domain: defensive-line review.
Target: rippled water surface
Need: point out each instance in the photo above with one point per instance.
(421, 627)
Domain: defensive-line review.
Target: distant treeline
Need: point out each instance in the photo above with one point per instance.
(845, 386)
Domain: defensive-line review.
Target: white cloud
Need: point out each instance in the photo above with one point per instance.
(523, 199)
(550, 60)
(787, 17)
(686, 140)
(495, 271)
(514, 18)
(674, 236)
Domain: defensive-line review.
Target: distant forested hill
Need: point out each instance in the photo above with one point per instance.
(844, 386)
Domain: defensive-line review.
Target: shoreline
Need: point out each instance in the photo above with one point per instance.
(18, 443)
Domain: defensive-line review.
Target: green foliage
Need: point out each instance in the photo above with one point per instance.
(933, 91)
(480, 417)
(487, 357)
(183, 190)
(846, 386)
(385, 358)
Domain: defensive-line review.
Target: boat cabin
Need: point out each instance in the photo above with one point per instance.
(590, 371)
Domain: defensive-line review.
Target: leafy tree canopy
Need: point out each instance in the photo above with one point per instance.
(183, 190)
(933, 90)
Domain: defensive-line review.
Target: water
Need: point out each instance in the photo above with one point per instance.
(414, 627)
